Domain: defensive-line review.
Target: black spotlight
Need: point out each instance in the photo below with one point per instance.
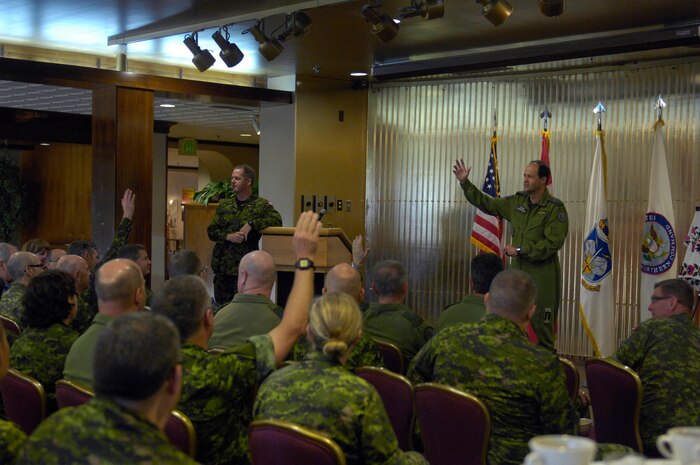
(382, 25)
(230, 53)
(297, 24)
(269, 48)
(428, 9)
(496, 11)
(202, 58)
(551, 7)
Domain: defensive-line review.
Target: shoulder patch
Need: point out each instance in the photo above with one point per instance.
(562, 216)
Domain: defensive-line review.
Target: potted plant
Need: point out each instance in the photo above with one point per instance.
(11, 199)
(215, 191)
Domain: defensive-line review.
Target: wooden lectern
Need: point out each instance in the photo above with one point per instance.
(333, 247)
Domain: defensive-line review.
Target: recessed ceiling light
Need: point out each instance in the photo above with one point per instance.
(358, 74)
(45, 144)
(246, 135)
(167, 105)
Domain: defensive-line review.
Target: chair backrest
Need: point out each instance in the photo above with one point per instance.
(284, 443)
(616, 399)
(455, 426)
(10, 325)
(393, 358)
(24, 399)
(396, 392)
(181, 434)
(573, 379)
(71, 394)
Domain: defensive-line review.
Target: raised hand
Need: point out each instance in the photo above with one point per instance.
(128, 204)
(461, 172)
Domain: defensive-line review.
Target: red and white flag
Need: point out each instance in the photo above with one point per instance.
(487, 232)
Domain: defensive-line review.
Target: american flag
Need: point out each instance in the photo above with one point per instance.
(545, 154)
(487, 231)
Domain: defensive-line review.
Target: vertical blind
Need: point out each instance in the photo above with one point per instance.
(415, 209)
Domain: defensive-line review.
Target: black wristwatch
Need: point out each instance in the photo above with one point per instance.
(518, 250)
(304, 264)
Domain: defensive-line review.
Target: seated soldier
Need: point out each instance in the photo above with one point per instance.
(22, 266)
(50, 304)
(251, 311)
(11, 437)
(522, 385)
(321, 394)
(483, 268)
(665, 352)
(346, 278)
(218, 390)
(137, 384)
(390, 319)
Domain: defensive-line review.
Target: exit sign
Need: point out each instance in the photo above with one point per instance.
(187, 146)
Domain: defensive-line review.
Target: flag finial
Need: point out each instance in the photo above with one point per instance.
(495, 122)
(659, 107)
(599, 110)
(545, 115)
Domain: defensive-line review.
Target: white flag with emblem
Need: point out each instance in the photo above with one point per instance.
(597, 302)
(659, 243)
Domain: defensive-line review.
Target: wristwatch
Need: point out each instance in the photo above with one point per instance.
(517, 251)
(304, 264)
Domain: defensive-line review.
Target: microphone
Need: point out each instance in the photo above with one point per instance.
(321, 213)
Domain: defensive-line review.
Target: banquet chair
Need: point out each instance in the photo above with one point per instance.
(71, 394)
(24, 400)
(616, 400)
(180, 432)
(283, 443)
(455, 426)
(393, 358)
(573, 380)
(10, 325)
(396, 392)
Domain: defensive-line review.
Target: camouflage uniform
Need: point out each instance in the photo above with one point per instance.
(230, 217)
(11, 440)
(245, 316)
(99, 433)
(665, 352)
(397, 324)
(11, 302)
(364, 353)
(87, 301)
(78, 365)
(522, 385)
(469, 310)
(322, 395)
(217, 396)
(540, 231)
(41, 354)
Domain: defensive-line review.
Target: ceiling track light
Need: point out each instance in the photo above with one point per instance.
(230, 54)
(269, 48)
(551, 8)
(297, 24)
(383, 26)
(496, 11)
(203, 59)
(428, 9)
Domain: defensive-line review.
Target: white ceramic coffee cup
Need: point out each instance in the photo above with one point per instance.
(681, 444)
(560, 449)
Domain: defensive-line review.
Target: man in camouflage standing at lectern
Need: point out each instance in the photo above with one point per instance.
(236, 230)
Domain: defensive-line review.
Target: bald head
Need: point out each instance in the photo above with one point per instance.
(512, 295)
(256, 273)
(120, 287)
(54, 256)
(6, 251)
(23, 265)
(77, 267)
(344, 278)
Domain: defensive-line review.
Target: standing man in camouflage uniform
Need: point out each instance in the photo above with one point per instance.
(665, 352)
(218, 390)
(540, 225)
(138, 376)
(236, 231)
(522, 385)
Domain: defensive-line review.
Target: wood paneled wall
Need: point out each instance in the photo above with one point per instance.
(59, 178)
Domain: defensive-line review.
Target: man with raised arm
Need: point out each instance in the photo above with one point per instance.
(218, 390)
(540, 225)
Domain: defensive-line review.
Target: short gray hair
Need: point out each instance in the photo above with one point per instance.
(513, 292)
(389, 277)
(184, 300)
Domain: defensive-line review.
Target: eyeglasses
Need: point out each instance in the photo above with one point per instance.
(204, 270)
(656, 298)
(38, 265)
